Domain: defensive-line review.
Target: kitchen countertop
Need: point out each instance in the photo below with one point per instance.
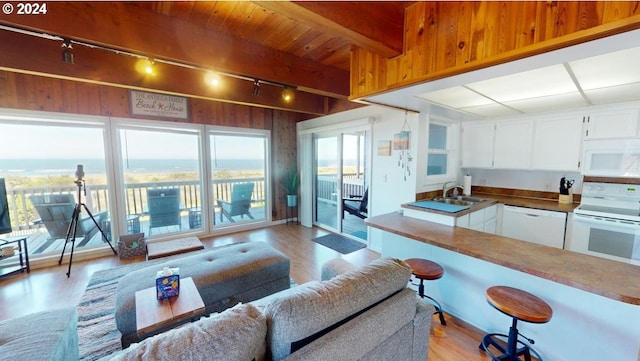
(611, 279)
(491, 199)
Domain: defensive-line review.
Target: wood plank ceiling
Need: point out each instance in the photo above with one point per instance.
(305, 45)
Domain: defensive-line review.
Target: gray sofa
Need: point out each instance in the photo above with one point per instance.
(224, 276)
(42, 336)
(365, 313)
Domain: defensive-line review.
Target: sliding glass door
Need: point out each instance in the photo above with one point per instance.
(341, 191)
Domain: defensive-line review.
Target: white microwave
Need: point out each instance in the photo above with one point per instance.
(611, 157)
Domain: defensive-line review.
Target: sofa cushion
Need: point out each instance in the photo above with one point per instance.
(239, 333)
(303, 311)
(48, 335)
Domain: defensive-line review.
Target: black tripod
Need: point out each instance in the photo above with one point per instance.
(73, 226)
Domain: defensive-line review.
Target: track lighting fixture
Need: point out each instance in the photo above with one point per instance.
(67, 54)
(256, 87)
(287, 94)
(212, 78)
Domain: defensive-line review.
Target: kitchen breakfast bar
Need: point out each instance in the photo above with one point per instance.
(595, 301)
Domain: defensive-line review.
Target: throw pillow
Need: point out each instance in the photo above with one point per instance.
(236, 334)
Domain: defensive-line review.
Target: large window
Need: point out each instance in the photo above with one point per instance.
(38, 159)
(239, 176)
(153, 177)
(162, 178)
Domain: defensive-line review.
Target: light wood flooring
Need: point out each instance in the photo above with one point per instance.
(48, 288)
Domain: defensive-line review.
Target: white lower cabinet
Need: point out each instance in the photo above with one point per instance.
(483, 220)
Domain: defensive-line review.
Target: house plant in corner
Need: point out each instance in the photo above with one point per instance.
(290, 182)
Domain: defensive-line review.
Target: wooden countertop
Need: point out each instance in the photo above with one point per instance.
(612, 279)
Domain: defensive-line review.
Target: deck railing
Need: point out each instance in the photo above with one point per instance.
(326, 187)
(25, 218)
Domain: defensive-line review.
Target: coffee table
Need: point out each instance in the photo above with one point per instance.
(154, 316)
(175, 246)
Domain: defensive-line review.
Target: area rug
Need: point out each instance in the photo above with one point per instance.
(339, 243)
(97, 332)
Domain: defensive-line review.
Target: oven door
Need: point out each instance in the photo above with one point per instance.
(606, 237)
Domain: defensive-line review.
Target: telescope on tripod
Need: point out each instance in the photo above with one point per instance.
(75, 218)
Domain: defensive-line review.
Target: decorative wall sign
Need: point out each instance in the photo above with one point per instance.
(158, 105)
(384, 148)
(401, 140)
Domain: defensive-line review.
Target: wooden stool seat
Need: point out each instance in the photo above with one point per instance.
(519, 304)
(425, 269)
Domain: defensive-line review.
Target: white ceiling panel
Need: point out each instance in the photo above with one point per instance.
(536, 83)
(555, 102)
(620, 67)
(490, 110)
(456, 97)
(621, 93)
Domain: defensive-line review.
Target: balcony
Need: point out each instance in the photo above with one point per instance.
(27, 221)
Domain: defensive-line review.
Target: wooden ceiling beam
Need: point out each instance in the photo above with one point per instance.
(337, 19)
(43, 57)
(132, 28)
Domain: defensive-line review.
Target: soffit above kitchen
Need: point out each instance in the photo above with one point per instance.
(603, 71)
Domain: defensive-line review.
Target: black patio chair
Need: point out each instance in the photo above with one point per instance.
(356, 205)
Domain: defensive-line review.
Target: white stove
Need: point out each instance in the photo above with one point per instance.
(607, 222)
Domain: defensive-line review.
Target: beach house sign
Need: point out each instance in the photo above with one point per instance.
(158, 105)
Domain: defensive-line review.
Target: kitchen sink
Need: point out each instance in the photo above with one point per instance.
(461, 200)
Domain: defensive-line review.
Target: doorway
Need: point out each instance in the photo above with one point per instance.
(341, 182)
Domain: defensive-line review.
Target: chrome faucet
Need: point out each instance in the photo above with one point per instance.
(446, 189)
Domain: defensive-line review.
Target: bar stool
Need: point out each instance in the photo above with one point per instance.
(519, 305)
(427, 270)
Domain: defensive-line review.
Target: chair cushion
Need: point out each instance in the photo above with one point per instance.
(237, 334)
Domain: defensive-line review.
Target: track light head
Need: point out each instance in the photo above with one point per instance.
(256, 87)
(67, 54)
(288, 94)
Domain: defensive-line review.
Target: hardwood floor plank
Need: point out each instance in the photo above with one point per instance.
(48, 288)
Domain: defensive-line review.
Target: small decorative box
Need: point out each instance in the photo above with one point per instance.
(132, 245)
(168, 283)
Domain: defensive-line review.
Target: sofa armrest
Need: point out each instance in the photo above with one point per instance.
(422, 329)
(335, 267)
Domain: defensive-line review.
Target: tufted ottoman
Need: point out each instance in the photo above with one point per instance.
(224, 276)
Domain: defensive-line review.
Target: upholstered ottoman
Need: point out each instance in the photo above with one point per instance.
(48, 335)
(224, 276)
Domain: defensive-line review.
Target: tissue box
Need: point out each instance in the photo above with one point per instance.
(132, 245)
(168, 286)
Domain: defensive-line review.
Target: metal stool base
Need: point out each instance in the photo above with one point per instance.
(512, 352)
(435, 303)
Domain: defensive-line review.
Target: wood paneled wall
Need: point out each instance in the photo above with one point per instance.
(445, 38)
(30, 92)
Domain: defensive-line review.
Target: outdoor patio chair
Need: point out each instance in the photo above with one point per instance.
(240, 203)
(55, 211)
(356, 205)
(164, 208)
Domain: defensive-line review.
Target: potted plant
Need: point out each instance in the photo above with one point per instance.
(290, 183)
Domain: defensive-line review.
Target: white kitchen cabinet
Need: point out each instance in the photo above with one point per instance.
(483, 220)
(614, 123)
(513, 144)
(477, 144)
(557, 142)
